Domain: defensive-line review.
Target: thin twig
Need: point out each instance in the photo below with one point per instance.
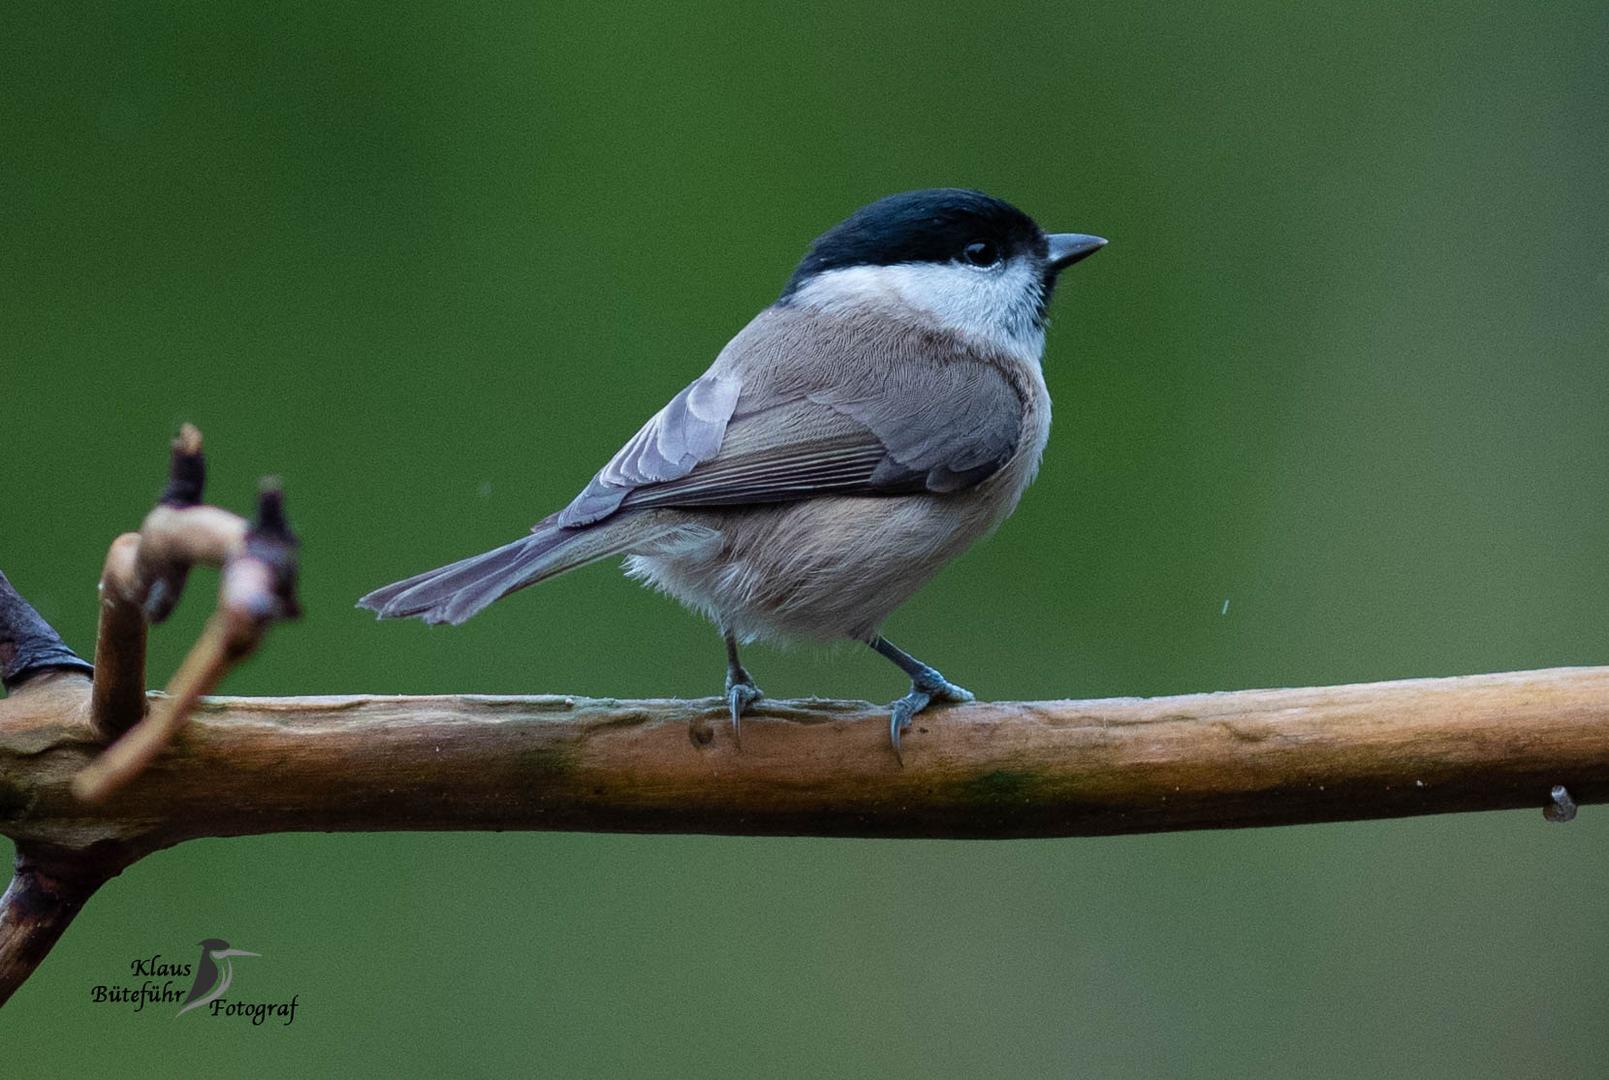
(257, 589)
(203, 668)
(118, 701)
(144, 577)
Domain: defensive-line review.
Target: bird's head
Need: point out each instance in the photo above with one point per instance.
(963, 259)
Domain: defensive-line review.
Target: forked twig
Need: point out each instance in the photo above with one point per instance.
(144, 577)
(256, 590)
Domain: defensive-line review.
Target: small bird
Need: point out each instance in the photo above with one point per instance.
(862, 431)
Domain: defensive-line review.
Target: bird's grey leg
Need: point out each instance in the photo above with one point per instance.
(927, 686)
(740, 689)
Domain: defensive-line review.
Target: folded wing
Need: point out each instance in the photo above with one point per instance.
(711, 446)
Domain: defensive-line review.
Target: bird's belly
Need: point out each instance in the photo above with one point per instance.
(820, 569)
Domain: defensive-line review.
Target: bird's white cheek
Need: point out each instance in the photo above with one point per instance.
(999, 308)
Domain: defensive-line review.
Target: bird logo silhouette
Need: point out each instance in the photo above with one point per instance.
(214, 973)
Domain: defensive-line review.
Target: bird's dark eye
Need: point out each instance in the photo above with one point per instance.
(981, 253)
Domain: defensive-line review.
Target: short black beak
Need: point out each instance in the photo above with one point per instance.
(1066, 248)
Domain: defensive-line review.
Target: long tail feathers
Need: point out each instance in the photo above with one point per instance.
(452, 593)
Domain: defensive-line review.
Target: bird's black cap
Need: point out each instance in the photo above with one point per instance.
(932, 225)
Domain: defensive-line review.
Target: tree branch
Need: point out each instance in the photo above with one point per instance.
(984, 770)
(48, 889)
(823, 768)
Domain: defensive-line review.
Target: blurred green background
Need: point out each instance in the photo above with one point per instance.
(1343, 367)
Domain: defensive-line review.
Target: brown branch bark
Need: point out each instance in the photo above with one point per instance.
(984, 770)
(118, 700)
(48, 889)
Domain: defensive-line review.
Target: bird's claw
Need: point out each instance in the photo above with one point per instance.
(899, 717)
(740, 694)
(926, 688)
(939, 688)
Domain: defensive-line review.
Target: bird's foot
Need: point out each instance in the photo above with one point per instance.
(927, 687)
(740, 694)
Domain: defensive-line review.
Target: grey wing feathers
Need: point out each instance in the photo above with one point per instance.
(950, 440)
(685, 432)
(891, 443)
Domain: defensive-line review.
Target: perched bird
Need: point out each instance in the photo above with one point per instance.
(858, 434)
